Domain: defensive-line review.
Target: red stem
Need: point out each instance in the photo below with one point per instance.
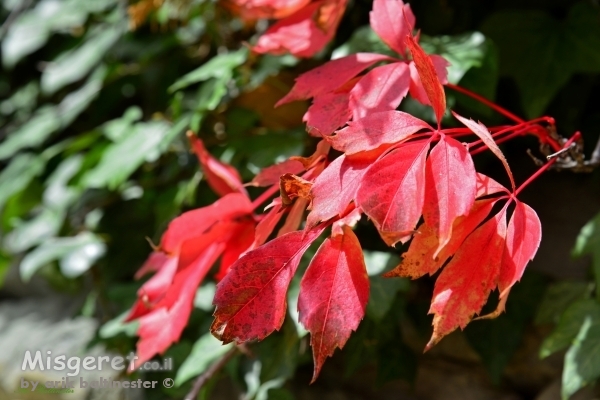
(485, 101)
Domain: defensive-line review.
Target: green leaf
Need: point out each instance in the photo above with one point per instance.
(75, 254)
(383, 290)
(34, 132)
(206, 350)
(212, 92)
(35, 231)
(557, 298)
(75, 64)
(58, 195)
(76, 102)
(582, 361)
(569, 325)
(270, 65)
(27, 34)
(257, 389)
(269, 148)
(56, 198)
(4, 267)
(481, 79)
(542, 53)
(278, 353)
(22, 101)
(20, 204)
(31, 29)
(17, 175)
(118, 325)
(145, 141)
(588, 242)
(464, 52)
(204, 297)
(50, 119)
(118, 129)
(220, 66)
(364, 39)
(292, 296)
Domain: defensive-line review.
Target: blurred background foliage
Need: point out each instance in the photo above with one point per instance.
(95, 97)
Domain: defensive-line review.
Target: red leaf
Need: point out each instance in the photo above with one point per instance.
(251, 299)
(268, 9)
(392, 191)
(451, 185)
(486, 137)
(464, 285)
(375, 129)
(221, 177)
(522, 241)
(163, 326)
(333, 295)
(417, 90)
(241, 240)
(487, 186)
(154, 288)
(349, 219)
(196, 222)
(429, 79)
(267, 224)
(389, 20)
(153, 292)
(335, 188)
(381, 89)
(155, 262)
(328, 112)
(419, 259)
(317, 157)
(270, 175)
(294, 218)
(303, 33)
(330, 76)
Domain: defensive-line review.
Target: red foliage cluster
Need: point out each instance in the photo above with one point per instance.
(303, 28)
(413, 181)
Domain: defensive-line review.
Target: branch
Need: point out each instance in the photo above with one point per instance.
(209, 373)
